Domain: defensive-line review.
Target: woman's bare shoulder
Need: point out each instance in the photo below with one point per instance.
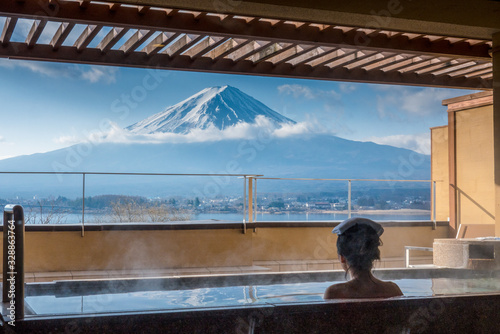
(335, 291)
(393, 289)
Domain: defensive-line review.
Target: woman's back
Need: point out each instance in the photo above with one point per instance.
(363, 288)
(357, 247)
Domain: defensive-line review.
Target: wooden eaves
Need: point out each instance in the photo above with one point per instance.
(172, 39)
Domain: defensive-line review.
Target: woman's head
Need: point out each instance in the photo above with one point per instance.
(358, 243)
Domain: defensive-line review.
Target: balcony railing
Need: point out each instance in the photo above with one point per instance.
(250, 195)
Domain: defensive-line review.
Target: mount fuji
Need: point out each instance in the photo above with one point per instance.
(215, 107)
(306, 155)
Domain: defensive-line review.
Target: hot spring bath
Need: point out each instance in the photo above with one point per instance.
(252, 303)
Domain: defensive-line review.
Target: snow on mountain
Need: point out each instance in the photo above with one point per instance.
(219, 107)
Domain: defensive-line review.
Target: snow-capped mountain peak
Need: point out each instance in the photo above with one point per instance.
(219, 107)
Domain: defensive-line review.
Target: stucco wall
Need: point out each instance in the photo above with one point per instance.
(161, 249)
(475, 166)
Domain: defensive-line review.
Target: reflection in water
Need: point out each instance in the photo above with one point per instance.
(238, 296)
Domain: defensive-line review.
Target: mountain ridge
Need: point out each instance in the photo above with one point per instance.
(308, 155)
(219, 107)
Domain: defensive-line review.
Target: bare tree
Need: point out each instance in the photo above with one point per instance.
(131, 211)
(44, 212)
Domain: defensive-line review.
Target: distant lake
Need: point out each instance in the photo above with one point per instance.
(313, 216)
(90, 217)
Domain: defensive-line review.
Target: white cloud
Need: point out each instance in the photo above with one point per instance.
(412, 101)
(347, 88)
(95, 74)
(89, 73)
(67, 140)
(262, 127)
(2, 139)
(303, 91)
(420, 143)
(296, 91)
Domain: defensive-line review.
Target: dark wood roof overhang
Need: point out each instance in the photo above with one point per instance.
(167, 38)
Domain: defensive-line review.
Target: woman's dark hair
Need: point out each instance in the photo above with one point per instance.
(359, 245)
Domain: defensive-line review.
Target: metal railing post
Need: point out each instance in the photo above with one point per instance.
(250, 199)
(434, 205)
(13, 261)
(349, 199)
(255, 201)
(244, 203)
(83, 206)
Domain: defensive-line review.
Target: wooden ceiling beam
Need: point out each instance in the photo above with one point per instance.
(110, 40)
(325, 57)
(182, 44)
(226, 48)
(389, 59)
(437, 67)
(365, 61)
(349, 58)
(35, 32)
(423, 64)
(88, 34)
(139, 37)
(61, 35)
(270, 51)
(248, 50)
(205, 46)
(460, 66)
(407, 60)
(8, 29)
(204, 64)
(478, 73)
(159, 42)
(305, 57)
(288, 55)
(185, 22)
(471, 69)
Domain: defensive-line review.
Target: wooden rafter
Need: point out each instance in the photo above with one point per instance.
(139, 37)
(159, 42)
(35, 32)
(206, 45)
(8, 29)
(61, 35)
(189, 40)
(126, 16)
(224, 65)
(270, 51)
(110, 40)
(86, 37)
(291, 54)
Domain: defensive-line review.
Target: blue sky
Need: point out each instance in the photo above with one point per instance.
(47, 106)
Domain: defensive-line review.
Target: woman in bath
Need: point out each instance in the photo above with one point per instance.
(357, 248)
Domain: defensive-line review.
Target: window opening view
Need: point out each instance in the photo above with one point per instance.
(249, 167)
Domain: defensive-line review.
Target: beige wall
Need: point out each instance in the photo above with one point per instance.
(62, 251)
(475, 166)
(440, 171)
(471, 151)
(124, 250)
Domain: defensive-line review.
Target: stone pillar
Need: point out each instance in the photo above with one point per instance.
(496, 126)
